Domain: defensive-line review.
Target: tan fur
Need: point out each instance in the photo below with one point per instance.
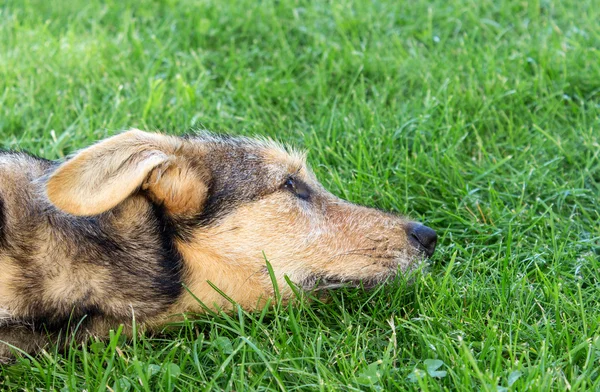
(102, 176)
(7, 276)
(232, 255)
(131, 219)
(178, 188)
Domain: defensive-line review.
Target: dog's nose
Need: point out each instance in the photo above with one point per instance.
(422, 237)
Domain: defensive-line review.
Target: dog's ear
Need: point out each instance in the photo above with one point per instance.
(100, 177)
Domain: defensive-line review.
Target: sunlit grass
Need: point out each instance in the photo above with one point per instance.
(479, 118)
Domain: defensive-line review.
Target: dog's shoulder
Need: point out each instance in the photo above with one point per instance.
(20, 176)
(20, 167)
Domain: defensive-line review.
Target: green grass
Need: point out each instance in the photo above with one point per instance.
(479, 118)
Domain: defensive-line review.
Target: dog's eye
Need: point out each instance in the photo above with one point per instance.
(297, 187)
(290, 184)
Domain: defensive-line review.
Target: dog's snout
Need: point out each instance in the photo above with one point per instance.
(422, 237)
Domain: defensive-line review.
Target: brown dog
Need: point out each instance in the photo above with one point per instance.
(118, 230)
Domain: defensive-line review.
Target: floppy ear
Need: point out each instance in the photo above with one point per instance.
(100, 177)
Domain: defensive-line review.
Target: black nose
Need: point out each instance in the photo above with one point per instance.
(422, 237)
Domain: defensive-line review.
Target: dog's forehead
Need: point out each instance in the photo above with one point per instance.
(243, 154)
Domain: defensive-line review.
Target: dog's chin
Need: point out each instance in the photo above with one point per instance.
(320, 282)
(331, 282)
(314, 283)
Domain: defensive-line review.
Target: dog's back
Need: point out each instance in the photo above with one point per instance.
(56, 268)
(20, 215)
(18, 172)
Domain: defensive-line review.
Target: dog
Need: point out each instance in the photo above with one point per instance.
(144, 225)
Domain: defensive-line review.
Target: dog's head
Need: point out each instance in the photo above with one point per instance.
(234, 202)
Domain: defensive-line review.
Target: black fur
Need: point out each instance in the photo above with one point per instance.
(169, 282)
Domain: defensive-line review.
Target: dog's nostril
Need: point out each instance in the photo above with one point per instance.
(422, 237)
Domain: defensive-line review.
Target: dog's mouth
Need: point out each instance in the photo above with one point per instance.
(320, 283)
(323, 282)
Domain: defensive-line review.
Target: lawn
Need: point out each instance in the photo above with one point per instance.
(479, 118)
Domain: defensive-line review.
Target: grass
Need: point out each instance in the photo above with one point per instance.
(479, 118)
